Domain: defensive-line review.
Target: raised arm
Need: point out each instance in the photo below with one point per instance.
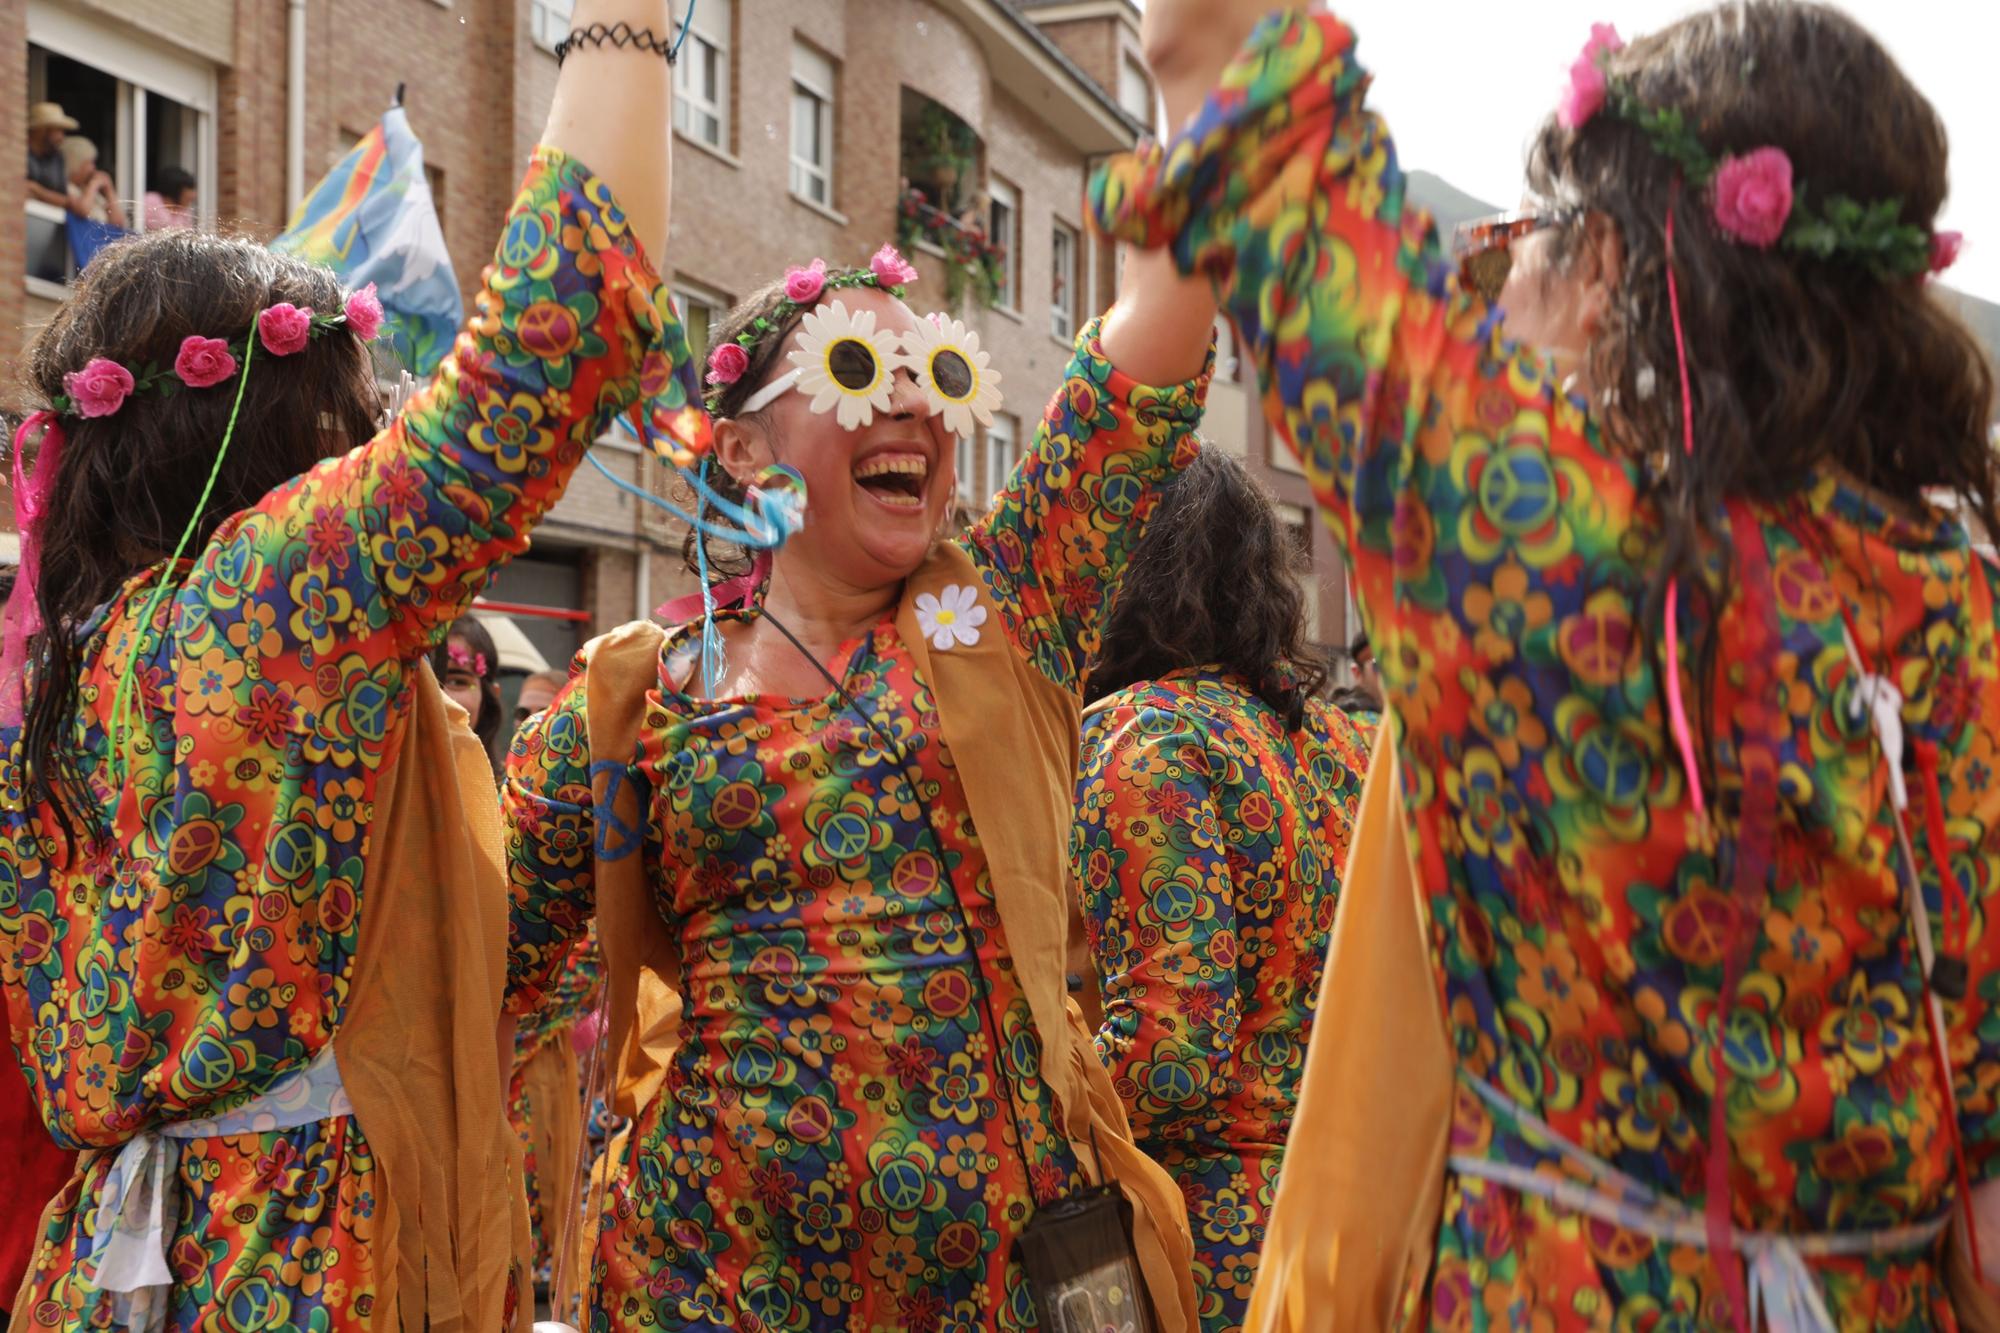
(365, 560)
(1160, 912)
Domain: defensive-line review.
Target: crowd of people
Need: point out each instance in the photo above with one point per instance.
(1005, 923)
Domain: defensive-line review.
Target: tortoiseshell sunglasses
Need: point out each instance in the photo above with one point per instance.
(1484, 247)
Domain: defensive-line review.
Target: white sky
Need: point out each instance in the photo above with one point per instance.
(1464, 82)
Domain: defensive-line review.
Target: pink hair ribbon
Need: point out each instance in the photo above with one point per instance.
(22, 618)
(1677, 718)
(729, 592)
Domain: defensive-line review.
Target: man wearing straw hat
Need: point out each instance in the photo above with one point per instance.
(48, 175)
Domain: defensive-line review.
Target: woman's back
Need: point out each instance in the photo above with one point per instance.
(1209, 844)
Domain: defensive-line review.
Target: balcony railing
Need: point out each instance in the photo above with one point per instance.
(972, 259)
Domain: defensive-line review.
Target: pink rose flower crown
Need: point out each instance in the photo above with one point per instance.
(1752, 196)
(806, 285)
(102, 387)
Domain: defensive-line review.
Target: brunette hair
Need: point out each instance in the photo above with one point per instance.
(1213, 582)
(127, 484)
(480, 640)
(1795, 360)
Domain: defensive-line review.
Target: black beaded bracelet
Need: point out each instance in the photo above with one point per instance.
(616, 34)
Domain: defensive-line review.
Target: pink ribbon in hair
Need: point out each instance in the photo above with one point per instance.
(729, 592)
(22, 618)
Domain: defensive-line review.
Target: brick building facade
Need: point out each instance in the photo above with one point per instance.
(798, 124)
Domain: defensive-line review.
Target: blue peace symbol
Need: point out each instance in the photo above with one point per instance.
(1517, 490)
(845, 835)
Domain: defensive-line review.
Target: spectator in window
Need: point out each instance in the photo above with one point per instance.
(91, 190)
(48, 174)
(170, 203)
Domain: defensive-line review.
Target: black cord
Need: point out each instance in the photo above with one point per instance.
(914, 776)
(617, 34)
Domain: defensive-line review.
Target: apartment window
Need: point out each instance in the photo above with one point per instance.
(699, 309)
(1003, 228)
(1003, 450)
(548, 21)
(812, 125)
(1063, 254)
(147, 108)
(1135, 91)
(701, 76)
(967, 460)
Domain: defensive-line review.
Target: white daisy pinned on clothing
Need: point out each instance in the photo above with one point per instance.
(953, 373)
(844, 359)
(952, 617)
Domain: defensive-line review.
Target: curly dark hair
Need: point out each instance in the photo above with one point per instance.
(725, 402)
(1213, 582)
(128, 483)
(1795, 361)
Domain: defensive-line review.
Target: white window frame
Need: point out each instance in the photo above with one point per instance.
(685, 294)
(814, 79)
(966, 463)
(1135, 89)
(708, 36)
(143, 68)
(1003, 450)
(549, 21)
(1003, 194)
(1064, 278)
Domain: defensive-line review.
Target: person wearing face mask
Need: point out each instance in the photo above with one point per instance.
(826, 834)
(1669, 924)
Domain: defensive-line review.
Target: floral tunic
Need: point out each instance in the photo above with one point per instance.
(203, 950)
(853, 1130)
(1208, 847)
(574, 996)
(1578, 917)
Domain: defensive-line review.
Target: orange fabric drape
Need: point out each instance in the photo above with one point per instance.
(1356, 1215)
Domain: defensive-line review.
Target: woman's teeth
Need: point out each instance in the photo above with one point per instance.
(895, 479)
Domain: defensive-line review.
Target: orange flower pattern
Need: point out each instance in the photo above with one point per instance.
(1579, 919)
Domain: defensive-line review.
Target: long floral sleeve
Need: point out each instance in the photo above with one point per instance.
(545, 804)
(1056, 541)
(1159, 910)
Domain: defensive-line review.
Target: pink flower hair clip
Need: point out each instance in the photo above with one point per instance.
(463, 658)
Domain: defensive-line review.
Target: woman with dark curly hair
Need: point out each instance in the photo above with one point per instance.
(1693, 681)
(1212, 816)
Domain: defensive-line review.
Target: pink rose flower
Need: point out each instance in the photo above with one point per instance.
(1753, 197)
(1584, 97)
(727, 363)
(803, 285)
(891, 269)
(1945, 246)
(364, 313)
(99, 389)
(284, 329)
(203, 362)
(1604, 39)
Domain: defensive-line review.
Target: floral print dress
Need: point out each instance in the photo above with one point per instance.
(1579, 919)
(1208, 848)
(853, 1129)
(202, 949)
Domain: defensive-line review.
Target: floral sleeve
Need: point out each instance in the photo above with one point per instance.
(1159, 912)
(1439, 453)
(1056, 541)
(343, 575)
(546, 806)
